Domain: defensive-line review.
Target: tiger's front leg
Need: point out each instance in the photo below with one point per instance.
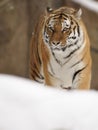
(83, 78)
(50, 80)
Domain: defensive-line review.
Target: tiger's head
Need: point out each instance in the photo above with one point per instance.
(61, 28)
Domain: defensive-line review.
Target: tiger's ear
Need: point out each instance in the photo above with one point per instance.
(48, 11)
(78, 13)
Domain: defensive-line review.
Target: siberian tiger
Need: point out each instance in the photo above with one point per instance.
(60, 50)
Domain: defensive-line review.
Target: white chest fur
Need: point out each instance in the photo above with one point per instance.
(61, 68)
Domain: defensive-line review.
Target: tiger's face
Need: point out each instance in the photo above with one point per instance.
(61, 31)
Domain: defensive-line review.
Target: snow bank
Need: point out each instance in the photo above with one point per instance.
(90, 4)
(26, 105)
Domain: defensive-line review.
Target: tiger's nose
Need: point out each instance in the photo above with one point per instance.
(56, 43)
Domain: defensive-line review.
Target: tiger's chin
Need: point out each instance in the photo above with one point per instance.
(58, 48)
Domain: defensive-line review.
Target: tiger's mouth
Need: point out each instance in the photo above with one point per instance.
(59, 48)
(56, 48)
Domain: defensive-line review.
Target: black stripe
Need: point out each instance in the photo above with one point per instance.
(69, 32)
(64, 48)
(60, 16)
(73, 44)
(64, 18)
(72, 22)
(36, 73)
(77, 72)
(67, 61)
(64, 15)
(56, 15)
(34, 78)
(72, 52)
(59, 61)
(38, 80)
(79, 61)
(55, 58)
(74, 29)
(78, 29)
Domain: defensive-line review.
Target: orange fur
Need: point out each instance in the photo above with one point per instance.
(41, 54)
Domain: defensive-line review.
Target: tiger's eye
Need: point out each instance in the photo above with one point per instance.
(65, 30)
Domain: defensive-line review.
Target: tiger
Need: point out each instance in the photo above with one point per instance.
(60, 50)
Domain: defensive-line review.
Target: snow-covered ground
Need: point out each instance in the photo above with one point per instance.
(26, 105)
(90, 4)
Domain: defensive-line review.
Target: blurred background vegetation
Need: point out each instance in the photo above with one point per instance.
(17, 21)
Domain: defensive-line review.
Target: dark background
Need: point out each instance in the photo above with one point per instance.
(17, 20)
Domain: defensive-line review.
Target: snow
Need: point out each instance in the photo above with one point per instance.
(26, 105)
(90, 4)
